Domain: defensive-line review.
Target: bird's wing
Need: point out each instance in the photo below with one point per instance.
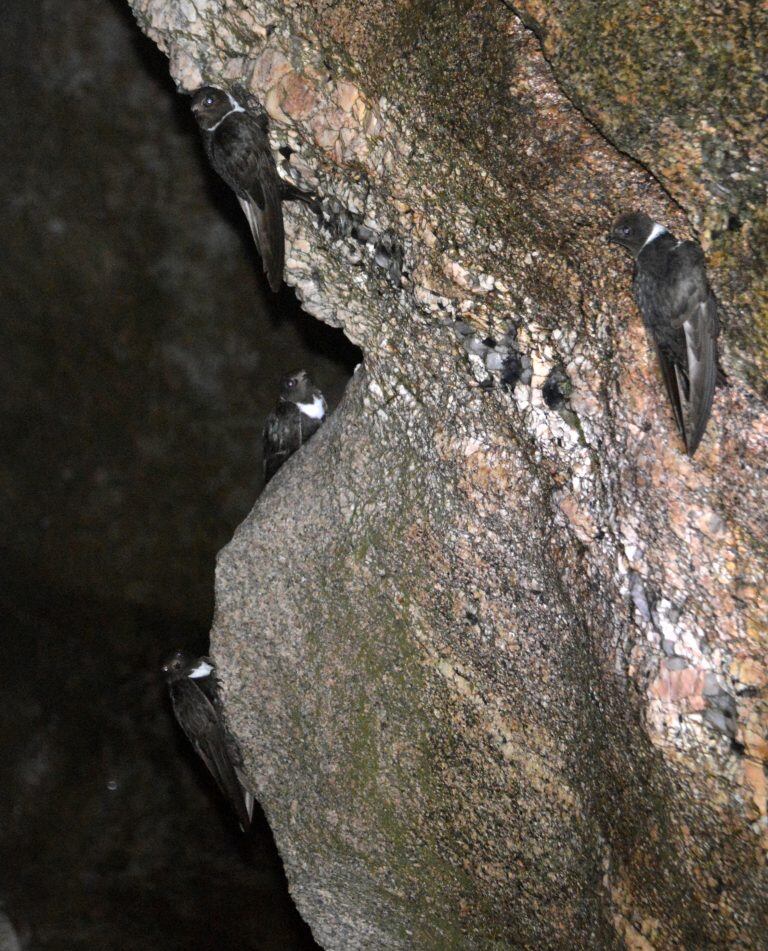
(242, 149)
(675, 387)
(663, 336)
(266, 223)
(693, 305)
(702, 368)
(281, 439)
(211, 688)
(197, 718)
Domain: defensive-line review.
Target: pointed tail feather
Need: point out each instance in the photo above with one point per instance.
(267, 229)
(249, 803)
(722, 379)
(243, 806)
(702, 369)
(674, 387)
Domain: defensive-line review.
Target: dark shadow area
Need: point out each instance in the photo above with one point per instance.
(139, 355)
(113, 836)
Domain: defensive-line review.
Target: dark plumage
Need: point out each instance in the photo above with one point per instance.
(300, 411)
(196, 705)
(237, 146)
(680, 313)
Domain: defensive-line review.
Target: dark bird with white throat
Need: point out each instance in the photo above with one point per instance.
(196, 704)
(237, 144)
(680, 313)
(299, 413)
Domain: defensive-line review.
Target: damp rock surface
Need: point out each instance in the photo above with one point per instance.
(494, 646)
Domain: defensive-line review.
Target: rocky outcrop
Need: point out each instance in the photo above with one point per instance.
(133, 387)
(494, 646)
(684, 89)
(134, 382)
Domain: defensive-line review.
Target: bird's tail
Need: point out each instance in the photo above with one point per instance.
(267, 229)
(702, 370)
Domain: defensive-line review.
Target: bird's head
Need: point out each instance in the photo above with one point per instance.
(182, 664)
(296, 387)
(210, 105)
(632, 231)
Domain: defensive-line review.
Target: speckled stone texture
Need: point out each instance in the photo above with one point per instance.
(497, 661)
(683, 87)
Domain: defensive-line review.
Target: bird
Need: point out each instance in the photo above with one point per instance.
(299, 413)
(236, 142)
(197, 707)
(680, 312)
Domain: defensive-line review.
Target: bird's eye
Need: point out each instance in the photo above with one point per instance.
(625, 231)
(291, 384)
(208, 101)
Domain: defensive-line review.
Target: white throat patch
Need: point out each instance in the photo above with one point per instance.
(656, 232)
(202, 670)
(315, 409)
(236, 107)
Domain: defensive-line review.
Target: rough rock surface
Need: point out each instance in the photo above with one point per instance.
(133, 386)
(129, 375)
(496, 654)
(684, 88)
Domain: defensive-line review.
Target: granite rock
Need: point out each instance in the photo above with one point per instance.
(448, 663)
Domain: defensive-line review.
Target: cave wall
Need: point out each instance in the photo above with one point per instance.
(685, 91)
(131, 371)
(500, 672)
(134, 380)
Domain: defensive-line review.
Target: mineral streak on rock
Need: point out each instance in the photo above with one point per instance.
(501, 678)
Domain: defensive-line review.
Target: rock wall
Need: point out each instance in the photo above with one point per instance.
(133, 382)
(497, 653)
(684, 89)
(133, 387)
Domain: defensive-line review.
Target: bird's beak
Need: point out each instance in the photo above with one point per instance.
(611, 238)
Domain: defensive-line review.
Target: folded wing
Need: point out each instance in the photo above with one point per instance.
(675, 385)
(264, 214)
(693, 307)
(203, 729)
(241, 153)
(281, 438)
